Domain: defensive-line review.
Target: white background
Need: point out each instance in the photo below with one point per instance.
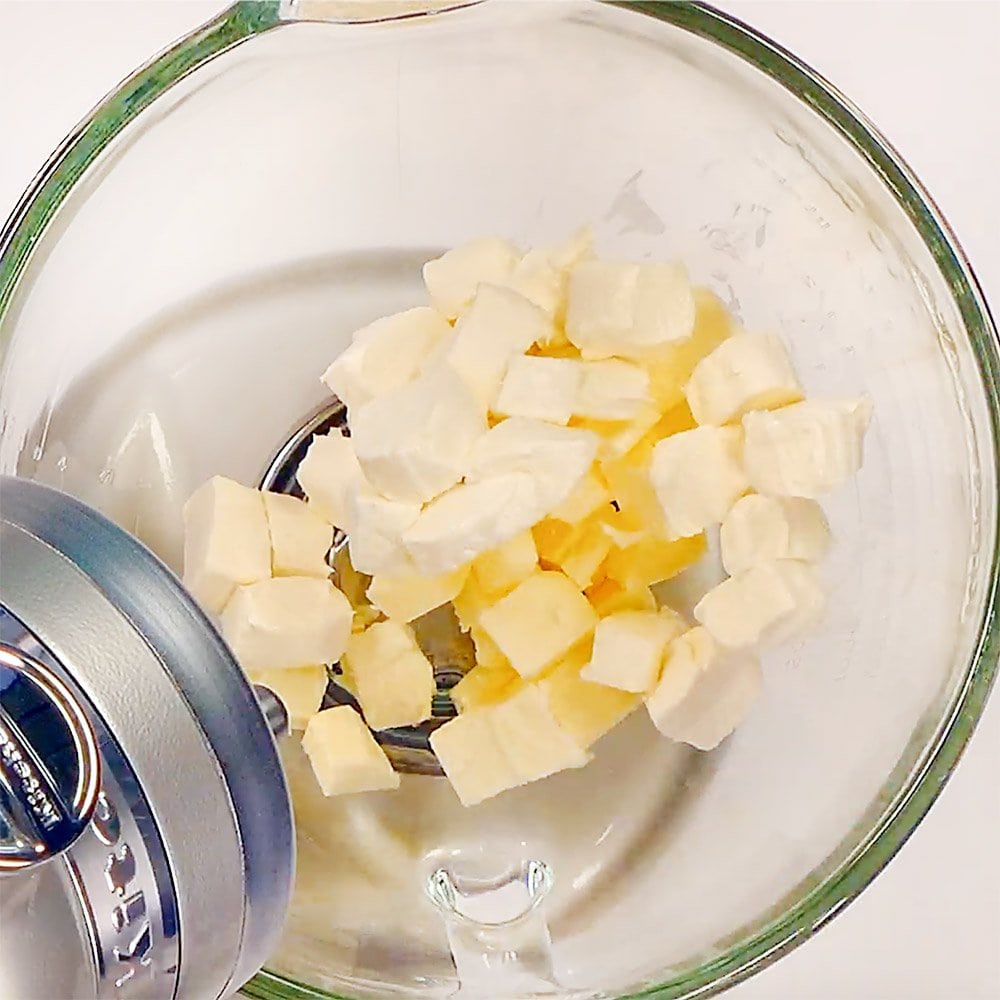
(928, 73)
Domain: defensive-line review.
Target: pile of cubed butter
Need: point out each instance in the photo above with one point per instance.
(540, 446)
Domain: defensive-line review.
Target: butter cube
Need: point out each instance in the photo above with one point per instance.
(610, 596)
(618, 437)
(501, 569)
(483, 686)
(611, 390)
(533, 741)
(452, 279)
(413, 442)
(653, 560)
(698, 476)
(300, 538)
(759, 529)
(226, 542)
(408, 596)
(629, 482)
(499, 326)
(628, 310)
(670, 368)
(300, 689)
(687, 657)
(392, 678)
(716, 703)
(344, 755)
(539, 387)
(538, 621)
(746, 372)
(628, 649)
(586, 711)
(488, 653)
(472, 757)
(589, 497)
(767, 604)
(584, 552)
(329, 474)
(470, 602)
(806, 449)
(377, 524)
(290, 621)
(385, 355)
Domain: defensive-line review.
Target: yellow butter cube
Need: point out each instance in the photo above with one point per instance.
(617, 437)
(409, 596)
(533, 741)
(628, 481)
(538, 621)
(488, 653)
(470, 602)
(585, 557)
(469, 752)
(670, 369)
(300, 538)
(584, 709)
(287, 621)
(610, 596)
(393, 679)
(484, 686)
(628, 649)
(653, 560)
(344, 755)
(501, 569)
(300, 689)
(553, 539)
(590, 497)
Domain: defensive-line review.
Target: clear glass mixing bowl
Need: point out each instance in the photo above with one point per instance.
(203, 245)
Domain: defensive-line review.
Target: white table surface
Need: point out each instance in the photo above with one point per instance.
(927, 73)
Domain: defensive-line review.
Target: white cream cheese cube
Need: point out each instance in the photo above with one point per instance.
(393, 680)
(765, 605)
(628, 310)
(300, 690)
(328, 475)
(687, 657)
(470, 519)
(344, 755)
(578, 246)
(413, 443)
(628, 650)
(289, 621)
(611, 390)
(556, 458)
(533, 741)
(536, 278)
(806, 449)
(499, 325)
(538, 621)
(697, 476)
(453, 278)
(749, 371)
(300, 538)
(600, 307)
(540, 388)
(226, 541)
(385, 355)
(664, 306)
(759, 529)
(377, 525)
(411, 595)
(469, 752)
(718, 701)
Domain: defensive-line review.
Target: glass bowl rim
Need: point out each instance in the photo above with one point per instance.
(248, 18)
